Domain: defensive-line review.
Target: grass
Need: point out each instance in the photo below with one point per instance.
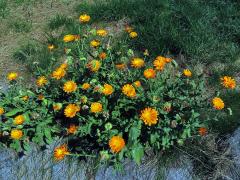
(205, 31)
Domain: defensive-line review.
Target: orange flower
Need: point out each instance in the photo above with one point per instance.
(94, 65)
(137, 62)
(107, 89)
(218, 103)
(159, 63)
(71, 110)
(76, 37)
(102, 55)
(60, 152)
(129, 90)
(97, 88)
(96, 107)
(120, 66)
(128, 29)
(25, 98)
(137, 83)
(187, 73)
(116, 143)
(149, 116)
(149, 73)
(57, 106)
(133, 34)
(63, 66)
(41, 81)
(85, 86)
(168, 60)
(84, 18)
(202, 131)
(68, 38)
(228, 82)
(51, 47)
(16, 134)
(95, 43)
(18, 120)
(1, 111)
(58, 73)
(72, 129)
(40, 97)
(70, 86)
(102, 32)
(12, 76)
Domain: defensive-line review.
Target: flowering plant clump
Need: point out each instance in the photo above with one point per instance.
(106, 102)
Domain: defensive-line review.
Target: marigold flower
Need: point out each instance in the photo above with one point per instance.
(102, 32)
(63, 66)
(12, 76)
(84, 18)
(84, 99)
(69, 38)
(19, 120)
(149, 73)
(41, 81)
(137, 83)
(121, 66)
(133, 34)
(96, 107)
(102, 55)
(95, 43)
(128, 29)
(159, 63)
(137, 62)
(58, 73)
(129, 90)
(1, 111)
(228, 82)
(168, 60)
(218, 103)
(107, 89)
(60, 152)
(72, 129)
(40, 97)
(70, 86)
(149, 116)
(97, 88)
(86, 86)
(16, 134)
(57, 106)
(25, 98)
(94, 65)
(71, 110)
(76, 37)
(116, 143)
(51, 47)
(202, 131)
(187, 73)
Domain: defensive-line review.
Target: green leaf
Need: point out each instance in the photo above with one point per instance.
(13, 112)
(16, 145)
(48, 135)
(138, 153)
(26, 147)
(135, 131)
(230, 111)
(26, 117)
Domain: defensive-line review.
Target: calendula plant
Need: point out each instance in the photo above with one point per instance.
(106, 102)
